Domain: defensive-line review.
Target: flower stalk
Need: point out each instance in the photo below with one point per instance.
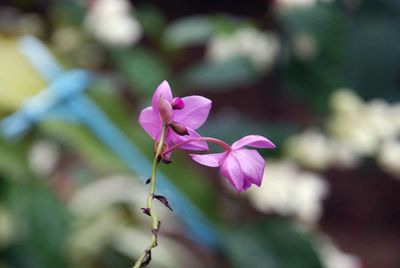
(206, 139)
(241, 166)
(145, 258)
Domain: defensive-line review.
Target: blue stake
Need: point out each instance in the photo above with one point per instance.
(65, 93)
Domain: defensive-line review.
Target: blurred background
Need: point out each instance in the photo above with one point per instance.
(320, 78)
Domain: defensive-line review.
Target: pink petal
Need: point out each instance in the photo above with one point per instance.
(195, 112)
(163, 89)
(173, 138)
(210, 160)
(151, 122)
(252, 165)
(253, 140)
(246, 184)
(231, 170)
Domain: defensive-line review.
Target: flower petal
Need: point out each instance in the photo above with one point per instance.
(246, 184)
(252, 165)
(253, 140)
(163, 89)
(210, 160)
(231, 170)
(173, 138)
(195, 112)
(151, 122)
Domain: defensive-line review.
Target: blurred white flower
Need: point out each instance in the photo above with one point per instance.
(350, 122)
(395, 116)
(261, 48)
(355, 129)
(288, 191)
(112, 23)
(295, 3)
(363, 125)
(333, 257)
(43, 157)
(345, 101)
(343, 155)
(168, 253)
(291, 4)
(317, 151)
(389, 157)
(111, 229)
(101, 222)
(382, 119)
(311, 149)
(118, 189)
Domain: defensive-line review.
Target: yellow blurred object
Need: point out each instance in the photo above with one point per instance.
(18, 79)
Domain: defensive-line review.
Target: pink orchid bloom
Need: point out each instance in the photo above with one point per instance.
(184, 115)
(242, 167)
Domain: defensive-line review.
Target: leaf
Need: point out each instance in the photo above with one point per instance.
(193, 30)
(43, 222)
(235, 72)
(152, 20)
(13, 160)
(142, 68)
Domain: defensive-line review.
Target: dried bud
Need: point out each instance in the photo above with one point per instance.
(146, 211)
(165, 109)
(163, 200)
(147, 258)
(177, 104)
(166, 160)
(179, 128)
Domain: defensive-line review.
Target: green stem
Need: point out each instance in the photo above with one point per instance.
(150, 197)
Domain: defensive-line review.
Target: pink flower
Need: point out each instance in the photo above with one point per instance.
(242, 167)
(183, 115)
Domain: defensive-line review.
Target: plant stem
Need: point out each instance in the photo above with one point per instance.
(155, 222)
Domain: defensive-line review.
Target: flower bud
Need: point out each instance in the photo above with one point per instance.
(177, 104)
(178, 128)
(165, 109)
(166, 160)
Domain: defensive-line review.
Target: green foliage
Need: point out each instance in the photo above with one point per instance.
(152, 21)
(13, 159)
(142, 68)
(373, 55)
(225, 75)
(42, 224)
(273, 243)
(316, 78)
(356, 51)
(189, 31)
